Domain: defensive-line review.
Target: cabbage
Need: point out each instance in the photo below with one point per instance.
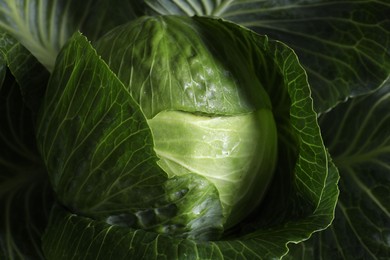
(194, 129)
(131, 142)
(208, 115)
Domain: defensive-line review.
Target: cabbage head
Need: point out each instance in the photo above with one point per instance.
(182, 136)
(209, 114)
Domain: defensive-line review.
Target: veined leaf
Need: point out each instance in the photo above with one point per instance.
(42, 26)
(72, 236)
(358, 135)
(98, 150)
(343, 45)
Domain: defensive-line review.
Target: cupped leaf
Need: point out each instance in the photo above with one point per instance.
(357, 133)
(358, 136)
(83, 155)
(343, 45)
(77, 237)
(98, 150)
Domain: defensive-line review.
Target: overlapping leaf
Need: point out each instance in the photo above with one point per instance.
(343, 45)
(98, 150)
(357, 133)
(77, 237)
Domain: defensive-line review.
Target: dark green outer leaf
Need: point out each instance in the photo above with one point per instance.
(98, 150)
(358, 136)
(357, 133)
(93, 136)
(74, 237)
(343, 45)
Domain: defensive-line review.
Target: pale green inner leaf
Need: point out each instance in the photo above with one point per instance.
(236, 153)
